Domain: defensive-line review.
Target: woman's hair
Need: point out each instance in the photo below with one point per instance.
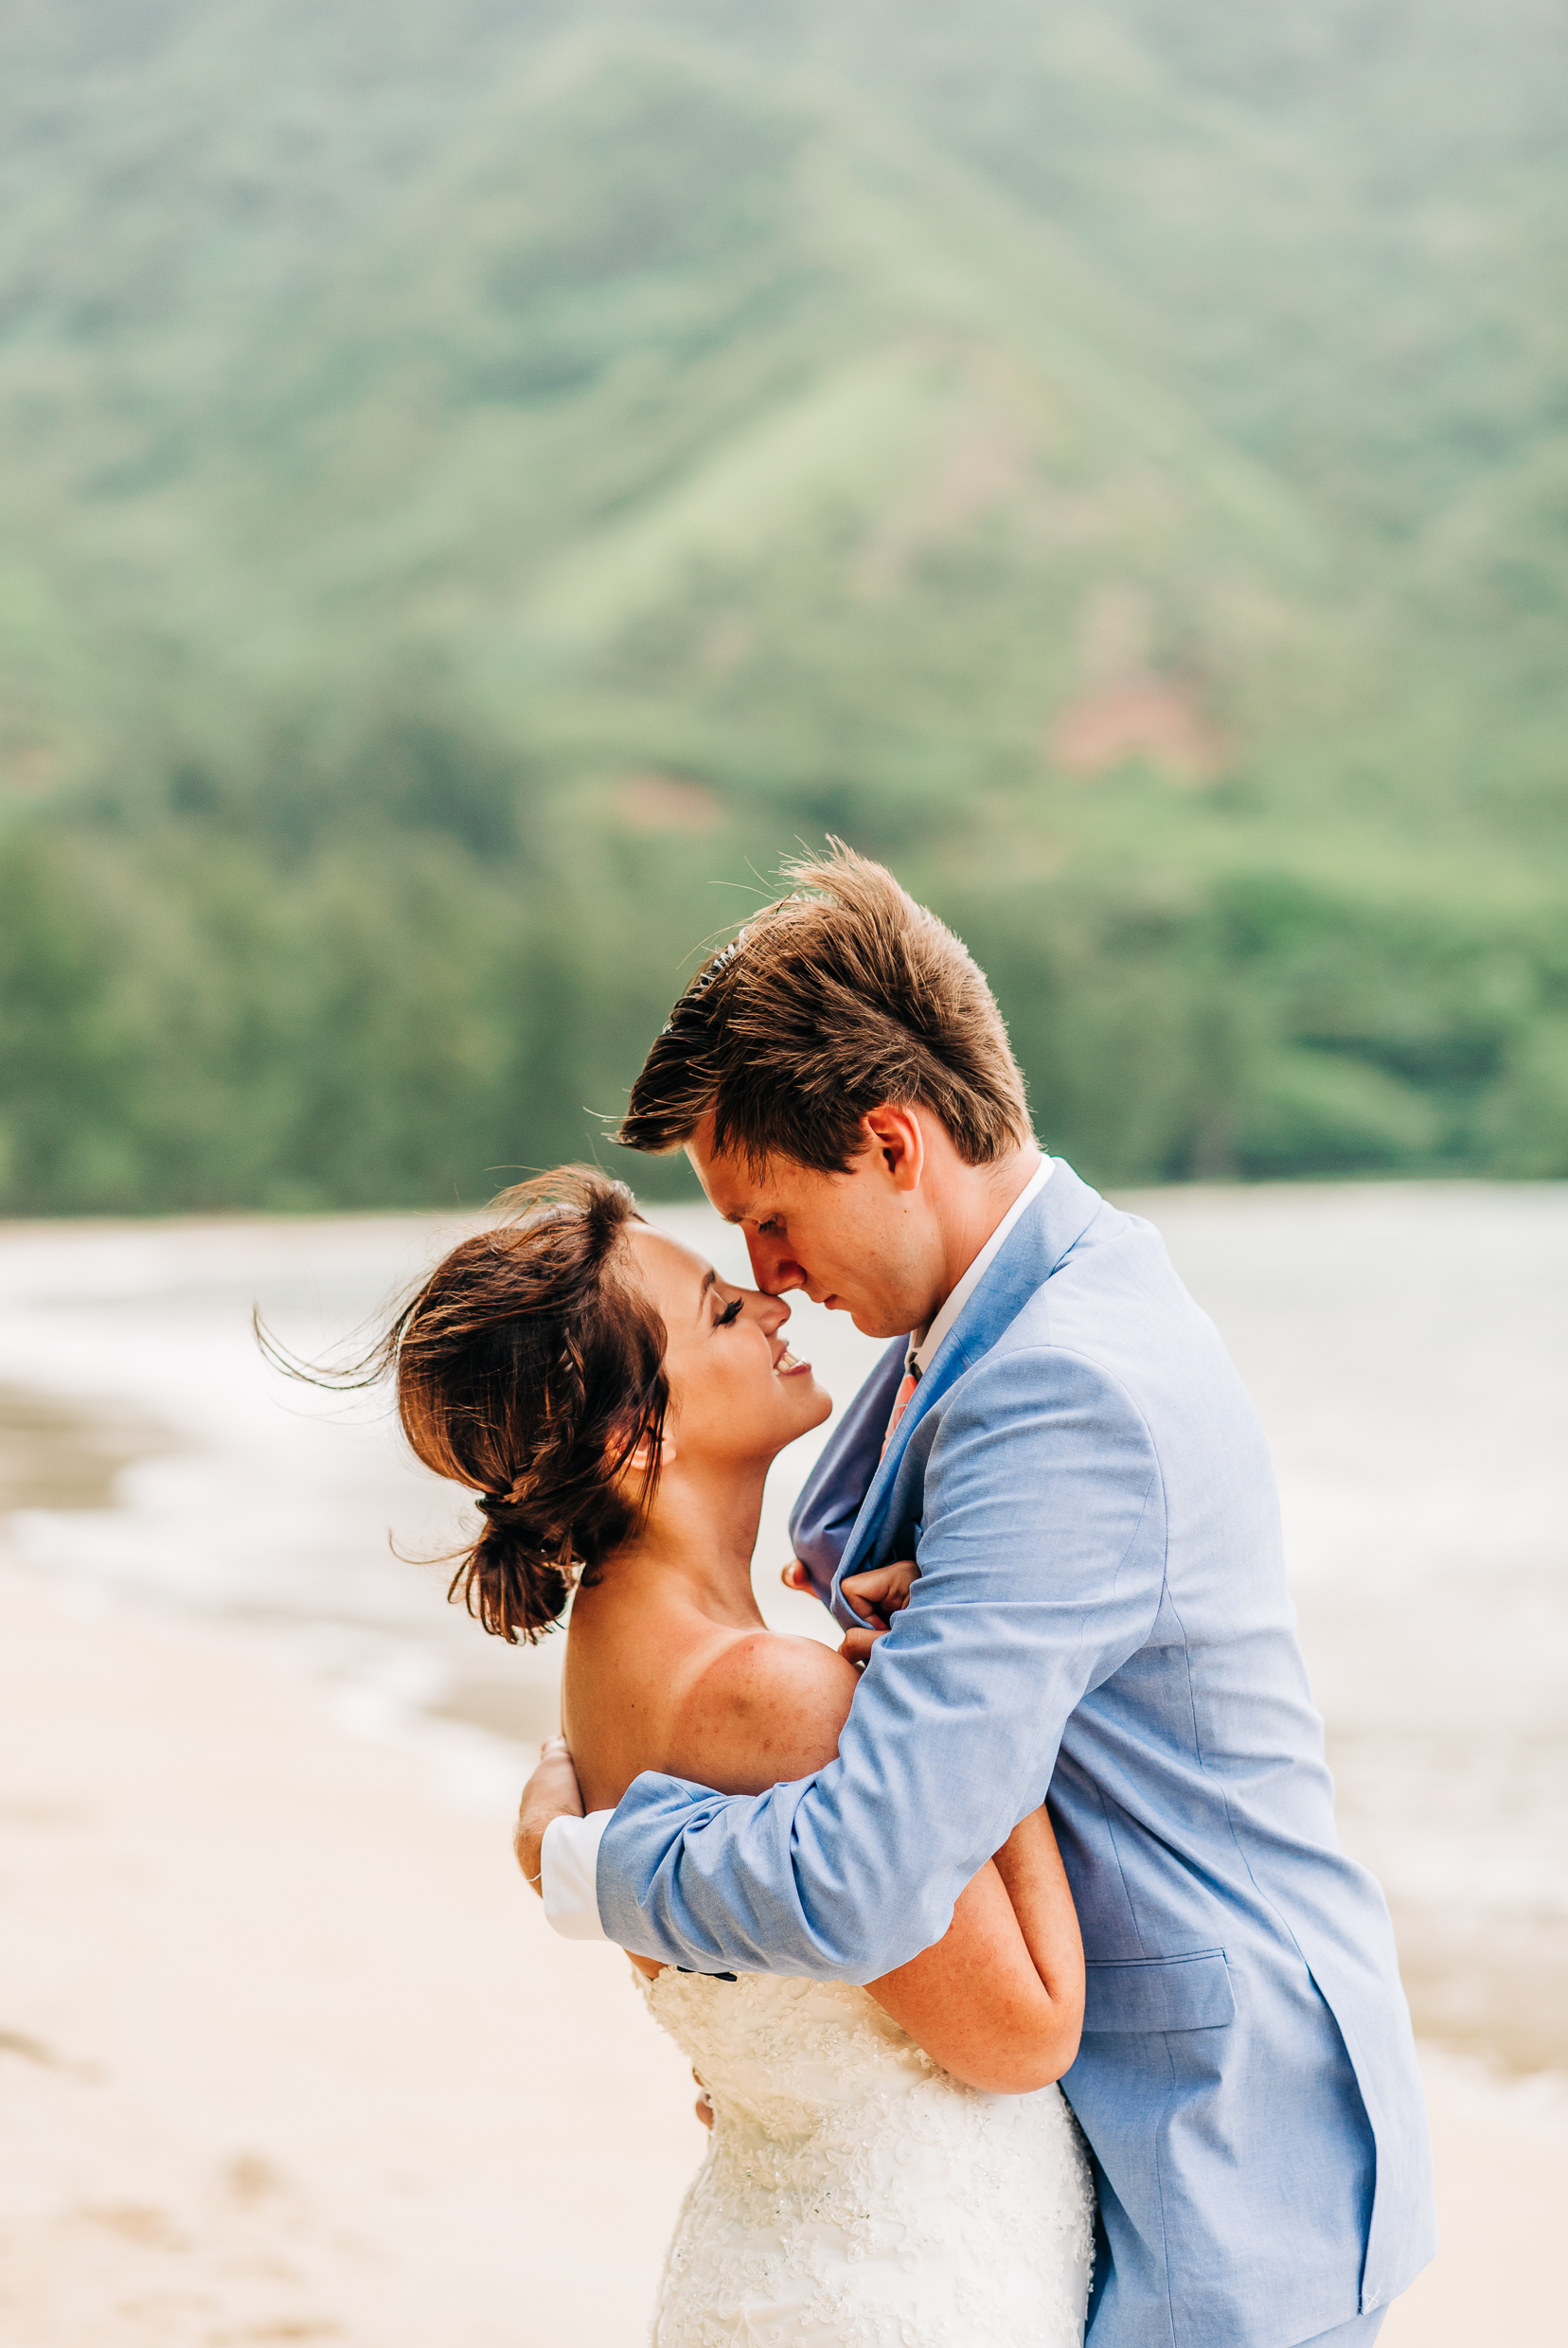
(529, 1366)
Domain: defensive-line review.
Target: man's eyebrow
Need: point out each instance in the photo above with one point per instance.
(752, 1213)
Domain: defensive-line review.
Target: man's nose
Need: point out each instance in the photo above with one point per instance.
(772, 1267)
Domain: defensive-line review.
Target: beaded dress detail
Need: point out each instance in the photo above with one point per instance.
(855, 2195)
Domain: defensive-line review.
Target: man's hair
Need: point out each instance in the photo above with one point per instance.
(841, 997)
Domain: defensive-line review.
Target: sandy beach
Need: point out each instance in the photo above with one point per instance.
(288, 2051)
(289, 2054)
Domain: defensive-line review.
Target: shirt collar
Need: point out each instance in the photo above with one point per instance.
(924, 1342)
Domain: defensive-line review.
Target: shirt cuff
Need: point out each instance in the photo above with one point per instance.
(568, 1860)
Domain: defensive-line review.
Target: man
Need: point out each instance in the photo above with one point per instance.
(1059, 1440)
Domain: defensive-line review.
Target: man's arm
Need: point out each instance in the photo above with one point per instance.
(1041, 1564)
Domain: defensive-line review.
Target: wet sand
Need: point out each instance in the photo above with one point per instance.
(288, 2053)
(56, 1455)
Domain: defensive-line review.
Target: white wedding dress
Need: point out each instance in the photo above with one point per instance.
(853, 2195)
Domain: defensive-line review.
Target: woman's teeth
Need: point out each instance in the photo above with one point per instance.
(786, 1362)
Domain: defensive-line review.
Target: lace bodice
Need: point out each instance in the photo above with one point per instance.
(853, 2195)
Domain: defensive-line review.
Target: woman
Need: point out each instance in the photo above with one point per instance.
(890, 2163)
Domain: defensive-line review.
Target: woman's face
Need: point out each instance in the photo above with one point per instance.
(737, 1392)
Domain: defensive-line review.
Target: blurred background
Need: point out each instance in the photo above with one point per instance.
(482, 480)
(480, 484)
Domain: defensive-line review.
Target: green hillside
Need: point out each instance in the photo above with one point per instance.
(482, 482)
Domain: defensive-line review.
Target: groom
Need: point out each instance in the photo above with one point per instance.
(1059, 1437)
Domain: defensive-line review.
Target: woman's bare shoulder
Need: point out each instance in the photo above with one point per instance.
(764, 1708)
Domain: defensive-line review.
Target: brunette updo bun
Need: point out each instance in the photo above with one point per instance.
(529, 1366)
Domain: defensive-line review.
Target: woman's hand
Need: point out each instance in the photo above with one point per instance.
(877, 1596)
(552, 1791)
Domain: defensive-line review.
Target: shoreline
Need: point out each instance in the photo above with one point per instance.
(340, 2082)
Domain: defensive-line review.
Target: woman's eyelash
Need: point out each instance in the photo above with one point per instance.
(731, 1312)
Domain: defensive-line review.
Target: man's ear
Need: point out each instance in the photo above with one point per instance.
(895, 1133)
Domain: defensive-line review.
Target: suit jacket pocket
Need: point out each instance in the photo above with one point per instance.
(1159, 1993)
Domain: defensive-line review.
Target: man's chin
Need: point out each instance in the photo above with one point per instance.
(866, 1317)
(872, 1324)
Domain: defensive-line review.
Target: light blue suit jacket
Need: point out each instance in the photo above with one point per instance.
(1101, 1613)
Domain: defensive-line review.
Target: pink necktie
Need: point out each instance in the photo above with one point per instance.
(907, 1385)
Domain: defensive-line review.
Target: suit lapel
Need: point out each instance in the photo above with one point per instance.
(1058, 1218)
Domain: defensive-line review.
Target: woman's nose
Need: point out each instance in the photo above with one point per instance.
(771, 1311)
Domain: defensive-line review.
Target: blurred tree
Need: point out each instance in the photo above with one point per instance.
(486, 482)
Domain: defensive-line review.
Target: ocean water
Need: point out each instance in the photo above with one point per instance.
(1404, 1343)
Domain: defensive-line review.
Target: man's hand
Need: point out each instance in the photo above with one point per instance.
(552, 1791)
(876, 1596)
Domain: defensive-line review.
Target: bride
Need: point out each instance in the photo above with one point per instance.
(890, 2164)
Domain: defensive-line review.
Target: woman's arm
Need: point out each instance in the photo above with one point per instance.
(999, 1999)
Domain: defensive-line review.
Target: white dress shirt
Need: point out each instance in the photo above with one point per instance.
(926, 1343)
(568, 1856)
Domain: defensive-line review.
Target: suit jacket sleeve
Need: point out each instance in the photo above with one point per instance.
(1042, 1565)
